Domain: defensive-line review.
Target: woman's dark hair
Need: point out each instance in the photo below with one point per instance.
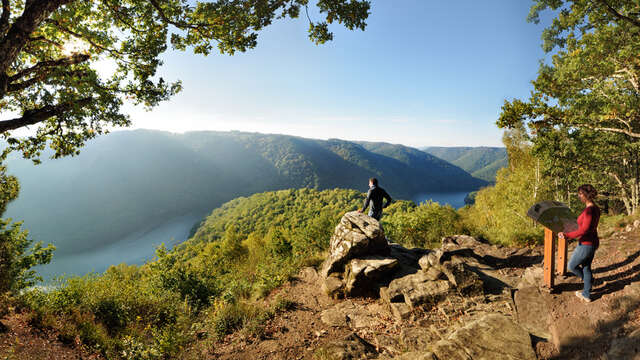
(589, 191)
(374, 181)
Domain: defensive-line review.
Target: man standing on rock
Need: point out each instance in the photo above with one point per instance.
(375, 196)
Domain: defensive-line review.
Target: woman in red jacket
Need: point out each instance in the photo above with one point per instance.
(587, 235)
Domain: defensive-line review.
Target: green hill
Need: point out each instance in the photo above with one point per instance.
(481, 162)
(131, 182)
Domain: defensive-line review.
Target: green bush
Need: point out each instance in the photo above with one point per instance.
(421, 226)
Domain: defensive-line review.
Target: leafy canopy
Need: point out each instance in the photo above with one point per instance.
(584, 111)
(49, 50)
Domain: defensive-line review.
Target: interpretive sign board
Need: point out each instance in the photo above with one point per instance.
(555, 217)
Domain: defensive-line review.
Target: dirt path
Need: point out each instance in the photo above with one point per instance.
(582, 330)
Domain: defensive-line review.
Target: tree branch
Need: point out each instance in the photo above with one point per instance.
(79, 36)
(4, 19)
(31, 117)
(36, 11)
(611, 10)
(614, 130)
(71, 60)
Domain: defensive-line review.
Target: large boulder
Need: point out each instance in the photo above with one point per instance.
(356, 235)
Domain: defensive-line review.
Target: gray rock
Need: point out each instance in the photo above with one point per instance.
(434, 273)
(334, 317)
(417, 355)
(492, 336)
(351, 347)
(415, 289)
(418, 338)
(533, 311)
(401, 311)
(333, 286)
(361, 274)
(466, 281)
(532, 277)
(355, 236)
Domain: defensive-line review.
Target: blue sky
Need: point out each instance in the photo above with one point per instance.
(424, 73)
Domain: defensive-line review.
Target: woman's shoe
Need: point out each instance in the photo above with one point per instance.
(582, 297)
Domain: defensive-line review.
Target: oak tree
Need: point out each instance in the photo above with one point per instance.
(587, 97)
(49, 50)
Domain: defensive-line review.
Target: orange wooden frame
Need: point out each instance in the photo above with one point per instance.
(550, 258)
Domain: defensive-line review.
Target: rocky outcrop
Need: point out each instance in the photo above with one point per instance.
(358, 257)
(355, 236)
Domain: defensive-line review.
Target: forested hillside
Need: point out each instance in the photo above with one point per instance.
(481, 162)
(134, 181)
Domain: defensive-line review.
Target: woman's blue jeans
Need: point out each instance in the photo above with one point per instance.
(580, 264)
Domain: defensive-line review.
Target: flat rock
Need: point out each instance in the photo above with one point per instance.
(418, 338)
(351, 347)
(533, 311)
(415, 289)
(492, 336)
(532, 277)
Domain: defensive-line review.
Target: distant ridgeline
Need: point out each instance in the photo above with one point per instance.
(134, 181)
(481, 162)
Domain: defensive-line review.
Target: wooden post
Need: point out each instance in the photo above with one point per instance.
(562, 256)
(549, 258)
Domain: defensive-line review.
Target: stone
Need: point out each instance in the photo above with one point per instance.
(333, 287)
(460, 241)
(400, 311)
(308, 275)
(434, 273)
(417, 355)
(428, 292)
(466, 281)
(636, 224)
(532, 277)
(424, 262)
(351, 347)
(492, 336)
(334, 317)
(629, 228)
(355, 236)
(627, 347)
(361, 274)
(418, 338)
(532, 309)
(414, 289)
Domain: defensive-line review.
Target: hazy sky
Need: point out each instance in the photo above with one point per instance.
(424, 73)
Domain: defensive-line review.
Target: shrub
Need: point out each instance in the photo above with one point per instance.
(423, 225)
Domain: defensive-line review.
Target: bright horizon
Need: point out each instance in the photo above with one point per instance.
(413, 77)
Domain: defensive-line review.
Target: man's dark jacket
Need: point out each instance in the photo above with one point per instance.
(375, 196)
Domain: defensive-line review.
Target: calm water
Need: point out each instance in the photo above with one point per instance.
(136, 248)
(455, 199)
(140, 247)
